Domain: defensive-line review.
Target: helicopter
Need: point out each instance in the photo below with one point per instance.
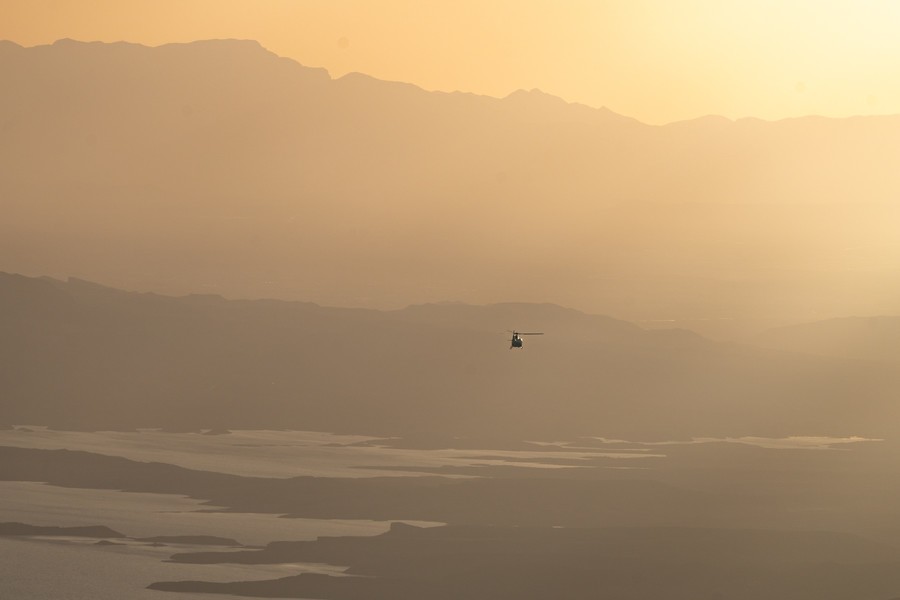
(516, 341)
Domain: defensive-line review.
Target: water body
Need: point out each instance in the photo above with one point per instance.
(33, 568)
(794, 442)
(40, 569)
(145, 515)
(264, 453)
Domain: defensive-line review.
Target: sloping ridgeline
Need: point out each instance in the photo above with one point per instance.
(79, 355)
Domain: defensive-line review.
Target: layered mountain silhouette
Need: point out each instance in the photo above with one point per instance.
(868, 338)
(220, 167)
(215, 171)
(79, 355)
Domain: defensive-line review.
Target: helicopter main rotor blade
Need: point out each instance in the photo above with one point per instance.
(532, 333)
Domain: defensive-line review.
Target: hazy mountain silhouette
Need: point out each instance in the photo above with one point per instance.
(218, 166)
(221, 168)
(872, 338)
(79, 355)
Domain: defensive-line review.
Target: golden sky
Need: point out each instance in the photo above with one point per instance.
(655, 60)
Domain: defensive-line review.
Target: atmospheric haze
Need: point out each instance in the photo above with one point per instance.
(260, 264)
(218, 167)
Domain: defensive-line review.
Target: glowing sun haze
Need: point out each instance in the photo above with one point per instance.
(655, 60)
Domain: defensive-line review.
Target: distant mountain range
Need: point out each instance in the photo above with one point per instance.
(867, 338)
(217, 166)
(79, 355)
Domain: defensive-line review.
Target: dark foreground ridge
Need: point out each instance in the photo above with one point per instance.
(487, 563)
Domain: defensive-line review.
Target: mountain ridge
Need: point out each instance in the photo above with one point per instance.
(517, 94)
(864, 338)
(218, 167)
(77, 355)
